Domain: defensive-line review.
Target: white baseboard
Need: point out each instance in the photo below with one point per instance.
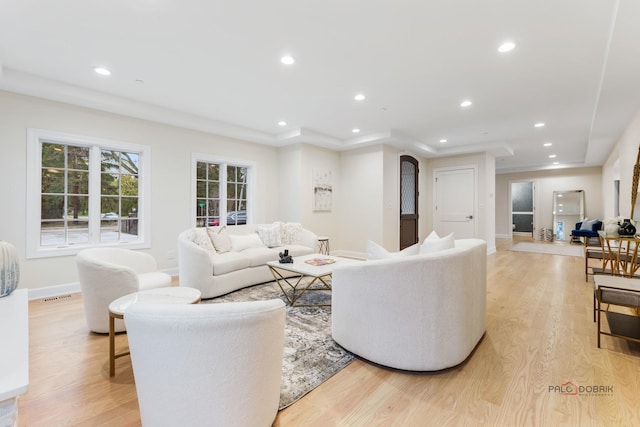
(70, 288)
(173, 272)
(349, 254)
(503, 236)
(54, 291)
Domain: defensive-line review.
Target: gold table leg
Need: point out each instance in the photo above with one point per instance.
(291, 300)
(112, 343)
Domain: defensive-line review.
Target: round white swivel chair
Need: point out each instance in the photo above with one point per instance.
(207, 364)
(109, 273)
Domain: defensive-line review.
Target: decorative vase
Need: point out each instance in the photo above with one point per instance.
(611, 228)
(9, 268)
(626, 228)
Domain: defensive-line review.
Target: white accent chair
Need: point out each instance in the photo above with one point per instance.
(423, 312)
(109, 273)
(216, 364)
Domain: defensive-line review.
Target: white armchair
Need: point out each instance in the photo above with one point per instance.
(207, 364)
(109, 273)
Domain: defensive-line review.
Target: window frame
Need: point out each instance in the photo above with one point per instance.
(35, 138)
(223, 162)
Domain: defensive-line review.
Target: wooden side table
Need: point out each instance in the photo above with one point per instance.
(168, 295)
(323, 245)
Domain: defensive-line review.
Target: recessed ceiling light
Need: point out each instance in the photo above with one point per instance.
(466, 103)
(102, 71)
(539, 125)
(282, 123)
(548, 144)
(355, 130)
(359, 97)
(507, 46)
(552, 156)
(559, 195)
(442, 141)
(287, 60)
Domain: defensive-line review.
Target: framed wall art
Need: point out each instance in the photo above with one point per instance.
(322, 190)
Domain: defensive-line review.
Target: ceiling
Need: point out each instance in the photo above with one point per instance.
(215, 66)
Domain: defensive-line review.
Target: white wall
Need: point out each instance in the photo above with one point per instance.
(620, 164)
(171, 149)
(290, 183)
(391, 199)
(360, 199)
(546, 182)
(485, 164)
(297, 163)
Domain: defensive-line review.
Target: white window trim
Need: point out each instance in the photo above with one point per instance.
(251, 173)
(34, 177)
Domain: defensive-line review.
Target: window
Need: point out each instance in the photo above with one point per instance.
(84, 192)
(222, 191)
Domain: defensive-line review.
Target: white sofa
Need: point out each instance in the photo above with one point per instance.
(422, 312)
(219, 260)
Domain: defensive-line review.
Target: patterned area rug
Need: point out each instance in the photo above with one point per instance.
(548, 248)
(310, 354)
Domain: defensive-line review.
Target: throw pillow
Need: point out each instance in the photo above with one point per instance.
(220, 239)
(587, 224)
(375, 251)
(270, 235)
(290, 232)
(201, 238)
(435, 243)
(245, 241)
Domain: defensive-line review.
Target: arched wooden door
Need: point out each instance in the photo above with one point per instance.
(408, 201)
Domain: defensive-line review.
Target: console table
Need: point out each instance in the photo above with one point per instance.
(14, 357)
(621, 253)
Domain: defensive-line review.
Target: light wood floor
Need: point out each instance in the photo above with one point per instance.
(540, 334)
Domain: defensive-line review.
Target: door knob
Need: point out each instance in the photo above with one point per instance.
(469, 217)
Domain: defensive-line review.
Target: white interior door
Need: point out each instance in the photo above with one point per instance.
(455, 202)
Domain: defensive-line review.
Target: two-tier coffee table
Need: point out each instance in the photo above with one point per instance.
(307, 270)
(168, 295)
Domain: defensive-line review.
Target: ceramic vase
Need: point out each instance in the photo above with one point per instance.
(611, 228)
(9, 268)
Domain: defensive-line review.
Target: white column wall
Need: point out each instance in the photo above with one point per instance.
(619, 165)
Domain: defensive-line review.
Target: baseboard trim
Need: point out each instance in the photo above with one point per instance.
(349, 254)
(54, 291)
(70, 288)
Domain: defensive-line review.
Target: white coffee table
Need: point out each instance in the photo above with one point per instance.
(305, 275)
(168, 295)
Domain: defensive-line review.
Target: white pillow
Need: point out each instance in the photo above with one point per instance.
(270, 235)
(375, 251)
(245, 241)
(220, 240)
(290, 232)
(201, 238)
(434, 243)
(587, 224)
